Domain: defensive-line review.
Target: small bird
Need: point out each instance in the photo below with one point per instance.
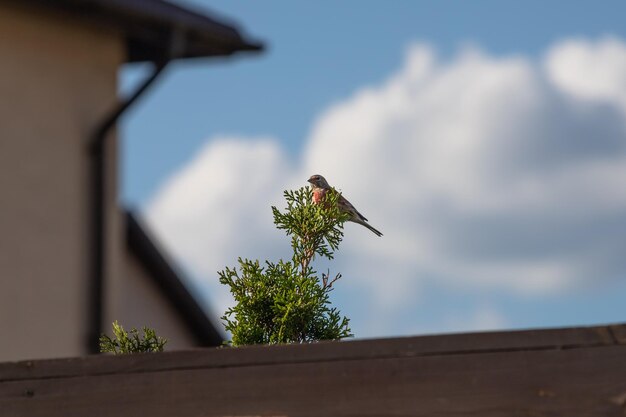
(321, 187)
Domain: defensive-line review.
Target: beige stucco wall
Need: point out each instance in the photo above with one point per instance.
(57, 80)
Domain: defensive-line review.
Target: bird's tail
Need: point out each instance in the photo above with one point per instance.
(364, 223)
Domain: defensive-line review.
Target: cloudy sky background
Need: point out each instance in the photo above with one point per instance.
(486, 141)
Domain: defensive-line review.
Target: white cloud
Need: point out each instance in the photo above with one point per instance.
(505, 173)
(216, 208)
(590, 70)
(482, 319)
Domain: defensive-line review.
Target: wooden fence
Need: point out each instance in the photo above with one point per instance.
(555, 372)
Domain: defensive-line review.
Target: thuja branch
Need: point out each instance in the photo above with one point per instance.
(314, 228)
(124, 342)
(286, 302)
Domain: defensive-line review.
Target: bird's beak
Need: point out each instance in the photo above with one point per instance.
(309, 180)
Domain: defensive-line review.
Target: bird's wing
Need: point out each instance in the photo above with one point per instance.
(346, 206)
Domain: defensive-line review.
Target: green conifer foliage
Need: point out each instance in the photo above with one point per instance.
(124, 342)
(286, 301)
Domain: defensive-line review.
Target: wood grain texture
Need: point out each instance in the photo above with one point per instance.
(324, 351)
(562, 372)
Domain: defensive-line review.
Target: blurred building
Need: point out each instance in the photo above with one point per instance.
(71, 260)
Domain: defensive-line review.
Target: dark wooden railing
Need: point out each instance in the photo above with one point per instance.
(554, 372)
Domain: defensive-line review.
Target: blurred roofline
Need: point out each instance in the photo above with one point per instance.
(149, 26)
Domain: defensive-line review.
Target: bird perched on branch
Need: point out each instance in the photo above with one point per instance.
(321, 187)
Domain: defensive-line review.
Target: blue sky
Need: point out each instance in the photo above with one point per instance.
(330, 65)
(318, 53)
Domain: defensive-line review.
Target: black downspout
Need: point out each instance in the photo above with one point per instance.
(97, 229)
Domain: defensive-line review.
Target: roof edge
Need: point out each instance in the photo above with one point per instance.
(150, 27)
(170, 284)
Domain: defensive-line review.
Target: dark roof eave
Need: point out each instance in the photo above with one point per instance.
(148, 26)
(170, 284)
(141, 49)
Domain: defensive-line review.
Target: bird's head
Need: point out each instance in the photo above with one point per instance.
(318, 181)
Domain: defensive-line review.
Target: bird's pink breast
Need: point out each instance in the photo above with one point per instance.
(318, 195)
